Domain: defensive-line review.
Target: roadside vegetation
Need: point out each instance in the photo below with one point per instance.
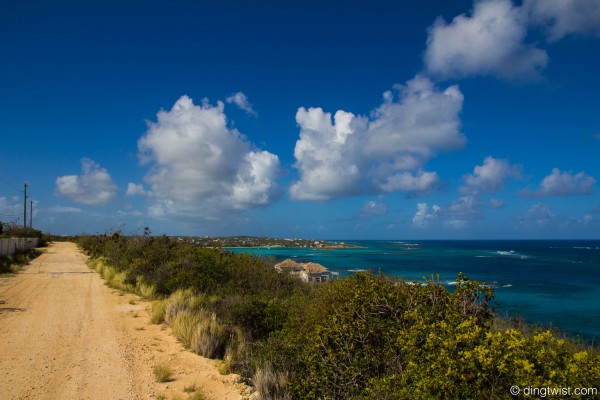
(363, 337)
(18, 231)
(14, 263)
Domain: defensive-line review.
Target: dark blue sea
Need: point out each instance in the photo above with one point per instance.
(553, 283)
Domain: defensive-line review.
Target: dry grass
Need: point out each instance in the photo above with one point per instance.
(117, 279)
(201, 332)
(195, 327)
(182, 301)
(144, 289)
(162, 373)
(158, 312)
(271, 385)
(184, 327)
(190, 389)
(198, 395)
(110, 275)
(209, 337)
(236, 348)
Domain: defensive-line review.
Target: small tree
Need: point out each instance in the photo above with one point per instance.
(14, 230)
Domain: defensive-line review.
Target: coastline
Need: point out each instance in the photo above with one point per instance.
(547, 282)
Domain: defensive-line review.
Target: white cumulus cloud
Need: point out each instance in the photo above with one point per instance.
(485, 179)
(135, 189)
(202, 168)
(63, 209)
(563, 184)
(497, 203)
(491, 41)
(10, 208)
(240, 100)
(462, 211)
(418, 183)
(538, 215)
(255, 182)
(541, 216)
(560, 18)
(373, 208)
(384, 152)
(94, 187)
(489, 177)
(425, 215)
(456, 215)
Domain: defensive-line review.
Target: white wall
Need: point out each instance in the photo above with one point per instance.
(9, 246)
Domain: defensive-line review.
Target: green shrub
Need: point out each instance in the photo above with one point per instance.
(19, 231)
(14, 263)
(364, 337)
(375, 337)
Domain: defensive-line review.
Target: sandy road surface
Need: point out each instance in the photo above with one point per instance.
(65, 335)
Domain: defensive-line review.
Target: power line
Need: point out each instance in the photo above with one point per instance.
(8, 184)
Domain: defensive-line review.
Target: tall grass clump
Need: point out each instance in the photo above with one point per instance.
(271, 385)
(210, 337)
(145, 289)
(236, 350)
(182, 301)
(196, 327)
(96, 264)
(162, 373)
(111, 275)
(184, 326)
(119, 281)
(159, 309)
(197, 395)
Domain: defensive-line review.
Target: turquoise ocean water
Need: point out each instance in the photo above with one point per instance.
(555, 283)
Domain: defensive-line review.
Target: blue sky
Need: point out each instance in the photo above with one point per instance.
(344, 120)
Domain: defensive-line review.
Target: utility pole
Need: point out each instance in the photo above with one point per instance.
(30, 214)
(25, 205)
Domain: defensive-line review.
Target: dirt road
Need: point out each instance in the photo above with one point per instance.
(65, 335)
